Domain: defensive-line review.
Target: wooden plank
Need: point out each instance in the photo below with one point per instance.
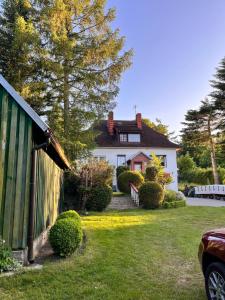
(10, 177)
(3, 144)
(19, 201)
(26, 179)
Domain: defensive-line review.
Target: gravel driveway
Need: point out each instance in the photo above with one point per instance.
(205, 202)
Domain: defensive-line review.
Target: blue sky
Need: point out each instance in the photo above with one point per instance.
(177, 46)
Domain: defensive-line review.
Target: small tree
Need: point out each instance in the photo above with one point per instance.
(185, 164)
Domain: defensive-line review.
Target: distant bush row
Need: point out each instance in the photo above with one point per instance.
(201, 176)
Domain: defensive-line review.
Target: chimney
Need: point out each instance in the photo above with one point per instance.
(139, 120)
(110, 123)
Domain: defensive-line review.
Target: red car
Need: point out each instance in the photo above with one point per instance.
(212, 258)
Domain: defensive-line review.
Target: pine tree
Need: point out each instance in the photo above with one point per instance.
(83, 66)
(19, 49)
(218, 94)
(200, 129)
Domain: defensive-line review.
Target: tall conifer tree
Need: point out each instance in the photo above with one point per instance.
(200, 129)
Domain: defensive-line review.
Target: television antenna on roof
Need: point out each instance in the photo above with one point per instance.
(135, 109)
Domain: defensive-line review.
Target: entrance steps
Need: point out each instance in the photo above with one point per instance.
(120, 203)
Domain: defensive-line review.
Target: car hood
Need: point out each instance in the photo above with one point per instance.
(219, 233)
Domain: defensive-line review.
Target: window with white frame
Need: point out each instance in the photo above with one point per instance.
(134, 137)
(130, 137)
(123, 137)
(121, 160)
(100, 157)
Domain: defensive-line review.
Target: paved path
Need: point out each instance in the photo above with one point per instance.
(120, 203)
(205, 202)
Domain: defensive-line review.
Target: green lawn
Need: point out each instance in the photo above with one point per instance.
(130, 255)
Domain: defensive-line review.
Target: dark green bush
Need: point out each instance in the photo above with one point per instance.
(65, 236)
(128, 177)
(151, 174)
(72, 196)
(151, 195)
(69, 214)
(174, 204)
(120, 170)
(99, 198)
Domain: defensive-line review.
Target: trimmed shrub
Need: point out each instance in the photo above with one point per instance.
(99, 198)
(128, 177)
(151, 195)
(174, 204)
(120, 170)
(151, 174)
(69, 214)
(170, 196)
(65, 236)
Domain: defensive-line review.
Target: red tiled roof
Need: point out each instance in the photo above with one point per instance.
(149, 137)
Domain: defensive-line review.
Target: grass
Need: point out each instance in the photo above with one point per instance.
(130, 255)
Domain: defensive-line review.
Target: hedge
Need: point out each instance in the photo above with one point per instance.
(202, 176)
(69, 214)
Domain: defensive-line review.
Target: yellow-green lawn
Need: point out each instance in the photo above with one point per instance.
(129, 255)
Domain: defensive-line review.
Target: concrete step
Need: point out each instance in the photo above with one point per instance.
(120, 203)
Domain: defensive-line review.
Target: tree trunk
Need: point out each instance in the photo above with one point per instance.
(66, 99)
(213, 155)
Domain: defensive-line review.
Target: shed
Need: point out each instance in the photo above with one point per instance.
(31, 174)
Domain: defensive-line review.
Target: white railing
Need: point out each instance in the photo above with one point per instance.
(214, 189)
(134, 194)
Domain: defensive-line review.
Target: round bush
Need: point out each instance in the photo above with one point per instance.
(69, 214)
(151, 173)
(128, 177)
(120, 170)
(151, 195)
(99, 198)
(65, 236)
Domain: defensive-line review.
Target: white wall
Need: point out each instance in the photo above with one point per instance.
(111, 156)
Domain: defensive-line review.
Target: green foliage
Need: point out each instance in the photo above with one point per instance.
(69, 214)
(202, 176)
(72, 197)
(65, 236)
(128, 177)
(151, 195)
(174, 204)
(121, 169)
(171, 196)
(185, 164)
(7, 262)
(158, 126)
(99, 198)
(151, 173)
(20, 50)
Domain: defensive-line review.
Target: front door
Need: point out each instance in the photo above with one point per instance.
(138, 166)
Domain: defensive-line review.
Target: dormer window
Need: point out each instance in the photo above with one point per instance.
(134, 138)
(130, 137)
(123, 138)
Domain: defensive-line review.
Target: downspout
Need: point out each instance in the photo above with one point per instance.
(30, 240)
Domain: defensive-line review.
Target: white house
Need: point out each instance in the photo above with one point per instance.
(131, 143)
